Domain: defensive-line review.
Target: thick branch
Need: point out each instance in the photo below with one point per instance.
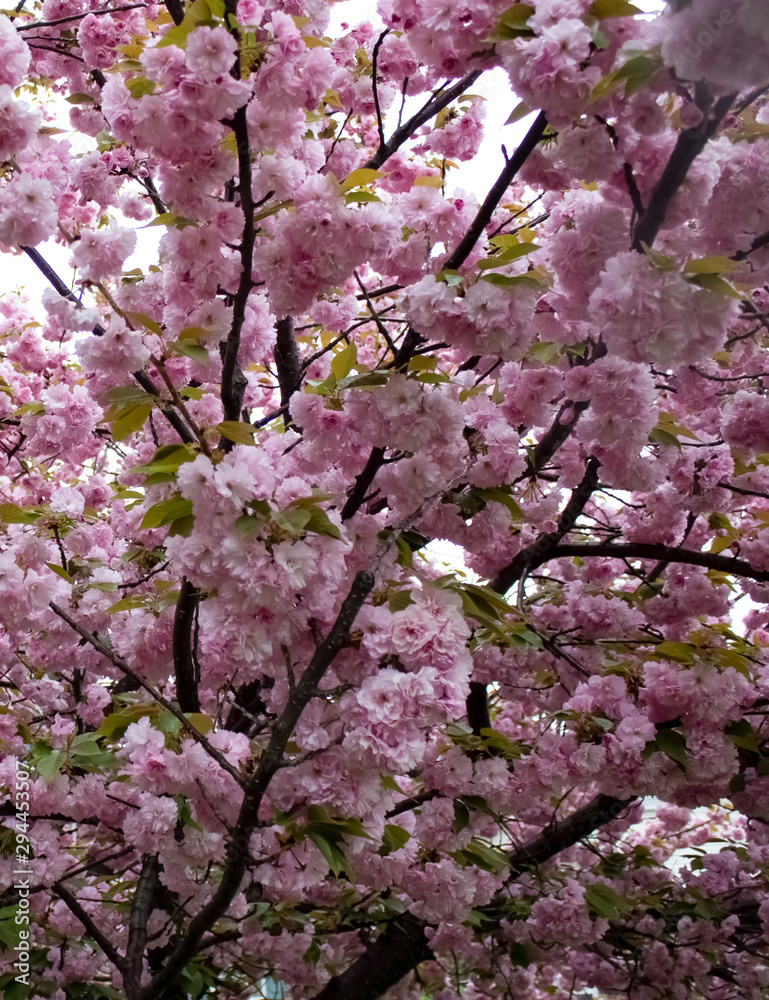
(404, 944)
(287, 361)
(269, 763)
(477, 705)
(176, 9)
(404, 132)
(546, 542)
(233, 380)
(90, 925)
(666, 553)
(185, 669)
(690, 144)
(122, 666)
(141, 908)
(493, 198)
(363, 481)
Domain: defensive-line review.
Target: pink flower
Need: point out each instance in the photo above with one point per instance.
(18, 124)
(14, 54)
(27, 211)
(99, 254)
(210, 52)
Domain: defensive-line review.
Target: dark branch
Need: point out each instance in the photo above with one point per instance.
(176, 9)
(374, 57)
(404, 132)
(90, 925)
(287, 362)
(185, 668)
(477, 705)
(141, 908)
(666, 553)
(539, 551)
(690, 144)
(493, 198)
(404, 944)
(269, 763)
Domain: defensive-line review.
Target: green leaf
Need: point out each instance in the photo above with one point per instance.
(366, 381)
(507, 256)
(360, 178)
(603, 901)
(169, 218)
(320, 524)
(635, 73)
(498, 741)
(142, 319)
(742, 735)
(660, 436)
(344, 361)
(196, 12)
(357, 197)
(11, 514)
(139, 86)
(518, 113)
(236, 431)
(194, 333)
(124, 395)
(513, 23)
(59, 571)
(334, 855)
(130, 603)
(399, 600)
(184, 811)
(490, 859)
(48, 764)
(115, 724)
(715, 284)
(393, 838)
(500, 494)
(129, 420)
(673, 744)
(293, 520)
(681, 652)
(545, 352)
(79, 99)
(461, 817)
(166, 511)
(193, 351)
(312, 955)
(166, 459)
(201, 723)
(710, 265)
(613, 8)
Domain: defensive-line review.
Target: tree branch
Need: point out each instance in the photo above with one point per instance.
(374, 57)
(123, 667)
(404, 944)
(690, 144)
(666, 553)
(232, 386)
(141, 907)
(185, 669)
(483, 218)
(269, 763)
(90, 925)
(545, 543)
(404, 132)
(176, 9)
(287, 362)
